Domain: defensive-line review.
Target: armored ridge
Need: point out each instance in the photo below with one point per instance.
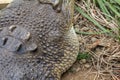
(36, 42)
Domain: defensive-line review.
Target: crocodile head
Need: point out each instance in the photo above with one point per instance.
(45, 26)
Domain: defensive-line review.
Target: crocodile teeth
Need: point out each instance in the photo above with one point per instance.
(1, 29)
(27, 37)
(32, 47)
(12, 27)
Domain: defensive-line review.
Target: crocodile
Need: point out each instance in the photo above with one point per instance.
(37, 40)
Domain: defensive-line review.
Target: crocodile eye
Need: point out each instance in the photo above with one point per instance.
(55, 3)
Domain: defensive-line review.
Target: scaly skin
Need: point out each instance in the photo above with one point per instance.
(36, 41)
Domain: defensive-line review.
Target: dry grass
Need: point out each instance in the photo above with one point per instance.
(92, 11)
(104, 48)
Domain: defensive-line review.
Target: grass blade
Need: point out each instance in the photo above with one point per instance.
(91, 19)
(103, 7)
(117, 1)
(113, 9)
(89, 33)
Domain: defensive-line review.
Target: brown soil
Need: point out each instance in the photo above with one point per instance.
(81, 75)
(79, 72)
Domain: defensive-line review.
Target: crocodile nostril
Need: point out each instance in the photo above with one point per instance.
(4, 40)
(18, 47)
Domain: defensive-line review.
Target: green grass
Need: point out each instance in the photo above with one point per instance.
(91, 19)
(90, 33)
(110, 9)
(83, 56)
